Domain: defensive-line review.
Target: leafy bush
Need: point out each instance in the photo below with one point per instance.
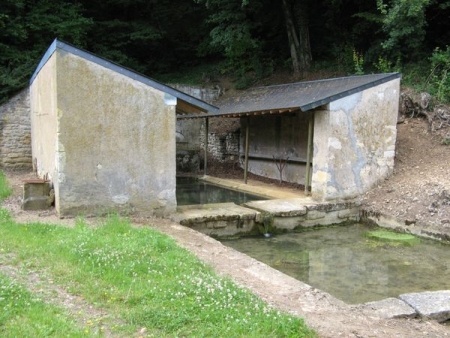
(439, 78)
(358, 62)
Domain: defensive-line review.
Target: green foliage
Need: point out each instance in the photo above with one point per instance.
(237, 36)
(385, 66)
(439, 78)
(145, 279)
(358, 62)
(22, 314)
(27, 29)
(404, 23)
(5, 188)
(244, 39)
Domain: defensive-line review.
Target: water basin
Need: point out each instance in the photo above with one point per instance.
(344, 262)
(194, 191)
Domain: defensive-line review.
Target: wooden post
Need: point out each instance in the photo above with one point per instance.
(246, 150)
(205, 166)
(309, 155)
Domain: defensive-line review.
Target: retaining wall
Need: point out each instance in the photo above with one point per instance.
(15, 133)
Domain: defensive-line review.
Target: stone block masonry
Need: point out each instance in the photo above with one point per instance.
(221, 148)
(15, 133)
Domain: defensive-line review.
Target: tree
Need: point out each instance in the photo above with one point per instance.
(404, 23)
(237, 34)
(27, 28)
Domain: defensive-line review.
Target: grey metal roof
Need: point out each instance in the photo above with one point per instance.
(294, 96)
(203, 106)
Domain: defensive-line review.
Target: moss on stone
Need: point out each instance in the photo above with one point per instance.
(389, 236)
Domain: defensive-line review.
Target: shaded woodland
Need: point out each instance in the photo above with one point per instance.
(245, 40)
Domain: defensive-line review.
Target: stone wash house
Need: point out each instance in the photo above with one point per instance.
(104, 136)
(335, 136)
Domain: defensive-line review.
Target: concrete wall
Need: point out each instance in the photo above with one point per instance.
(280, 136)
(44, 121)
(354, 142)
(108, 142)
(15, 133)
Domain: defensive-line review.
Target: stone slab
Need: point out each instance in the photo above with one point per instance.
(213, 211)
(280, 207)
(387, 308)
(217, 219)
(430, 304)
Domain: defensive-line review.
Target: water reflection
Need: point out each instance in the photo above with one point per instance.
(194, 191)
(350, 266)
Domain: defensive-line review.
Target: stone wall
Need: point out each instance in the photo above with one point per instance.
(205, 94)
(222, 147)
(15, 133)
(191, 133)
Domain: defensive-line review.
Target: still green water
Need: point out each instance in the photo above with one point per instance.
(344, 262)
(194, 191)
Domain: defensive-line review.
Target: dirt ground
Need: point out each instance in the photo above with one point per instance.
(417, 193)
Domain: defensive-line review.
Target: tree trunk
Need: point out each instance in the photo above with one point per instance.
(298, 39)
(303, 33)
(292, 36)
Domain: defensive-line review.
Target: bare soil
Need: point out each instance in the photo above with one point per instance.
(417, 193)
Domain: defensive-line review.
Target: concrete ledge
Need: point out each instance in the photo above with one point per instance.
(228, 219)
(304, 212)
(255, 187)
(421, 230)
(280, 207)
(218, 219)
(430, 304)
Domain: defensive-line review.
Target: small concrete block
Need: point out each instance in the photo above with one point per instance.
(36, 195)
(35, 203)
(388, 308)
(430, 304)
(32, 188)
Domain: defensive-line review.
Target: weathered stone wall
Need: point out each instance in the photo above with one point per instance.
(188, 130)
(222, 147)
(191, 132)
(15, 133)
(206, 94)
(354, 142)
(112, 139)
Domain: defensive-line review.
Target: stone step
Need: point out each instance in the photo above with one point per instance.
(430, 304)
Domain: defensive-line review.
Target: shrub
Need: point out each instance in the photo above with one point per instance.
(439, 78)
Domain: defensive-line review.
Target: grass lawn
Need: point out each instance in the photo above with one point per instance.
(141, 278)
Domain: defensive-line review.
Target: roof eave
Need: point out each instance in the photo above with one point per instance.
(326, 100)
(56, 44)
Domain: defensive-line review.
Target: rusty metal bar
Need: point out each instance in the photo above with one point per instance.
(205, 166)
(309, 155)
(246, 150)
